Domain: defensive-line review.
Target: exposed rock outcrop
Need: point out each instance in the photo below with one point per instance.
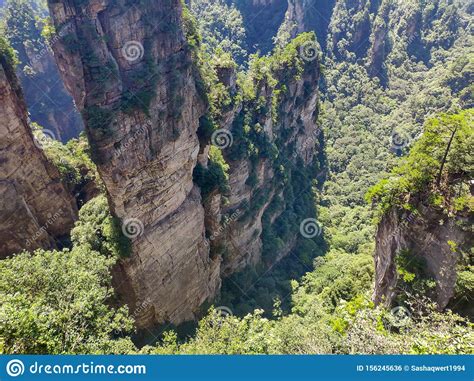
(129, 69)
(429, 237)
(35, 207)
(134, 80)
(307, 15)
(256, 184)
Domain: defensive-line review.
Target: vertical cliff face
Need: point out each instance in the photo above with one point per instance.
(306, 15)
(275, 140)
(35, 207)
(424, 239)
(428, 238)
(128, 67)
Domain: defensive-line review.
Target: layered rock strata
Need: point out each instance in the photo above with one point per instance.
(128, 66)
(36, 209)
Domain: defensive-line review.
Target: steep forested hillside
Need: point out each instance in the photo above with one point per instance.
(303, 166)
(25, 25)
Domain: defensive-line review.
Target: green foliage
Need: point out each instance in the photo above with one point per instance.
(72, 160)
(427, 331)
(55, 302)
(268, 73)
(97, 229)
(450, 135)
(206, 128)
(7, 53)
(330, 311)
(337, 277)
(21, 21)
(354, 327)
(215, 176)
(140, 89)
(465, 284)
(221, 28)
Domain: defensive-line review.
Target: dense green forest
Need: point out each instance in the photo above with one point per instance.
(394, 132)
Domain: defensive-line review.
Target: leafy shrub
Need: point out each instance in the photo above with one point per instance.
(215, 176)
(97, 229)
(61, 306)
